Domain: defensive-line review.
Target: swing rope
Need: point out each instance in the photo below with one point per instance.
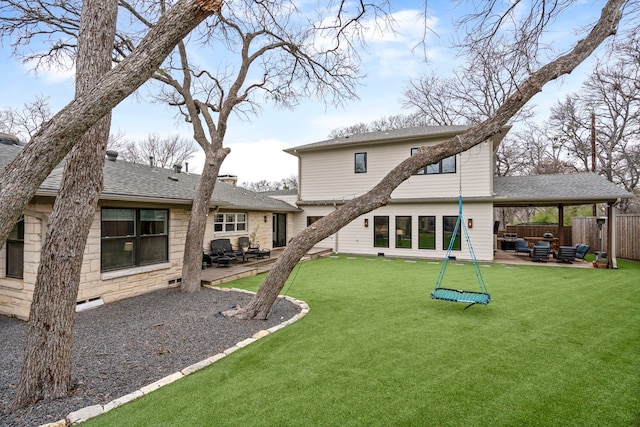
(457, 295)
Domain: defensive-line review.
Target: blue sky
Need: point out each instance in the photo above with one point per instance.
(389, 62)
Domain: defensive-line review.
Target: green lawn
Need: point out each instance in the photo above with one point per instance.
(556, 346)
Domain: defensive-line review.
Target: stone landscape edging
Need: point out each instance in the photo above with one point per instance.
(82, 415)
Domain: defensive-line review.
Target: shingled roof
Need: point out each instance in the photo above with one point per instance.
(143, 183)
(538, 190)
(390, 136)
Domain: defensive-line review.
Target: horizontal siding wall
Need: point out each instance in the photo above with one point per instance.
(475, 168)
(300, 223)
(357, 239)
(329, 175)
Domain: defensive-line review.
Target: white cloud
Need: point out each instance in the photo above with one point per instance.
(52, 73)
(400, 52)
(255, 161)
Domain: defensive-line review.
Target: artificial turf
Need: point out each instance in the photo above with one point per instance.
(556, 346)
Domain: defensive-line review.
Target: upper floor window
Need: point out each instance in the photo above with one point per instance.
(421, 171)
(15, 250)
(360, 162)
(447, 165)
(132, 237)
(230, 222)
(312, 219)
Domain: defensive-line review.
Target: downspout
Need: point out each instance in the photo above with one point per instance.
(336, 244)
(612, 262)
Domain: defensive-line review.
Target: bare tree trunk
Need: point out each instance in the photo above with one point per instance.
(22, 177)
(192, 260)
(47, 359)
(260, 305)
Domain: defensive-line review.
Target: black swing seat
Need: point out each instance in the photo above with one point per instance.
(456, 295)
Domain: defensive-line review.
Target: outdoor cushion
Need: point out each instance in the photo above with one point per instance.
(582, 250)
(566, 254)
(522, 246)
(540, 253)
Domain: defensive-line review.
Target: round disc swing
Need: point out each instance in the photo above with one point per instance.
(457, 295)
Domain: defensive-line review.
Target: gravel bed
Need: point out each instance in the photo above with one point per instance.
(120, 347)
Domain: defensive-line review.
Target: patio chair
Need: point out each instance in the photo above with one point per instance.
(222, 248)
(540, 253)
(248, 251)
(544, 244)
(522, 247)
(244, 242)
(582, 250)
(566, 254)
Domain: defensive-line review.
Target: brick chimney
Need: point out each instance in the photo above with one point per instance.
(229, 179)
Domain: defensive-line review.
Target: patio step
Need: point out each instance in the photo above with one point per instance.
(214, 276)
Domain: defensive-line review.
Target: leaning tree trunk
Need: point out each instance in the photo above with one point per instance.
(192, 260)
(261, 304)
(47, 359)
(22, 177)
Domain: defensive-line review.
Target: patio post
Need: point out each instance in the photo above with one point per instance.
(561, 242)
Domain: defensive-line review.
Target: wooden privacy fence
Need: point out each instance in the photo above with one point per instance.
(585, 230)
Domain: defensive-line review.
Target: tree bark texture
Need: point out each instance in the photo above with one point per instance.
(192, 259)
(260, 305)
(22, 177)
(47, 359)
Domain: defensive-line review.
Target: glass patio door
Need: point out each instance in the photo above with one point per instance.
(279, 230)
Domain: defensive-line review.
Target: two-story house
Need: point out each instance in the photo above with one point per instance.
(420, 218)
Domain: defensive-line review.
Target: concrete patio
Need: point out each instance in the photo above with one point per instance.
(510, 257)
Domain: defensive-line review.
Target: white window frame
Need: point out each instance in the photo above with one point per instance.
(230, 222)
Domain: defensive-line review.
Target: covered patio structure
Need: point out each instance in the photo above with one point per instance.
(562, 190)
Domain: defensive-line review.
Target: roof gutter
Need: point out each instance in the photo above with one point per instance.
(344, 143)
(139, 199)
(487, 199)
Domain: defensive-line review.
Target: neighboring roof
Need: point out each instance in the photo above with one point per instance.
(289, 192)
(9, 139)
(143, 183)
(395, 135)
(245, 199)
(538, 190)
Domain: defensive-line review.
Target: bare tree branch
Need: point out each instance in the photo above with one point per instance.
(21, 178)
(260, 305)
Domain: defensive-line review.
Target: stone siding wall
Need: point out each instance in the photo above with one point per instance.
(16, 294)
